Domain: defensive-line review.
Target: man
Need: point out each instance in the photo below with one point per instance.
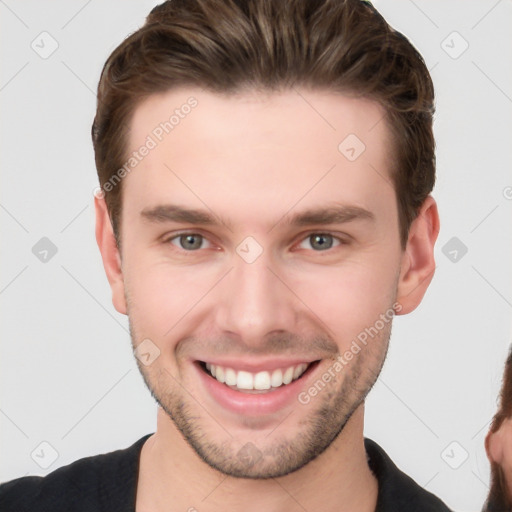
(264, 212)
(498, 446)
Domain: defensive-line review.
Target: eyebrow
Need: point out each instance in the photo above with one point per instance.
(329, 215)
(337, 214)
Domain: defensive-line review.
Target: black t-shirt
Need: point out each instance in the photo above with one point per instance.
(108, 483)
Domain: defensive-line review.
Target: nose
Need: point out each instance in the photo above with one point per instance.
(255, 301)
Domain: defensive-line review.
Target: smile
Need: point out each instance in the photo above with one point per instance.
(260, 381)
(255, 389)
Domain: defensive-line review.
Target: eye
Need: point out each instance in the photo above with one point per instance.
(188, 241)
(320, 242)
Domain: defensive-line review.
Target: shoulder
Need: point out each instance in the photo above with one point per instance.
(397, 491)
(90, 483)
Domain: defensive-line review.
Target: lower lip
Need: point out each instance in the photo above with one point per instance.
(249, 404)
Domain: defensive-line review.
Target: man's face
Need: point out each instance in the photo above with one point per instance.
(499, 450)
(273, 281)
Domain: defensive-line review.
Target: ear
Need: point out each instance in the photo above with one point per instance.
(110, 254)
(418, 264)
(494, 447)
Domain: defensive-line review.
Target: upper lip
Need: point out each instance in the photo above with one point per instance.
(253, 366)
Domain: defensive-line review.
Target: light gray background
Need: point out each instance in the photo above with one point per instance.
(68, 377)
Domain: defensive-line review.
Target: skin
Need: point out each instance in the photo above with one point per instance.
(498, 446)
(255, 160)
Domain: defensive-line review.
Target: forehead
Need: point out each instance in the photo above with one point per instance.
(273, 147)
(214, 117)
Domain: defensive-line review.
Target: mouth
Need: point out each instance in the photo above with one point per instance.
(260, 382)
(256, 389)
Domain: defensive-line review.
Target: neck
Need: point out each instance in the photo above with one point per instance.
(173, 477)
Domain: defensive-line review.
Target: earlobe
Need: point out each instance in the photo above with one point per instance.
(493, 447)
(418, 264)
(110, 254)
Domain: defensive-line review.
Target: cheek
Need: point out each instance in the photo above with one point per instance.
(507, 453)
(350, 298)
(160, 295)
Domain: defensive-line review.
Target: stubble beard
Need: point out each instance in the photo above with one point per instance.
(280, 455)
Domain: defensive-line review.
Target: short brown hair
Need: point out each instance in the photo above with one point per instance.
(226, 46)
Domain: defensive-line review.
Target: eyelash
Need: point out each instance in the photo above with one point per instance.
(340, 241)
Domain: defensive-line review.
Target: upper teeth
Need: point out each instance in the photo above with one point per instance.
(261, 380)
